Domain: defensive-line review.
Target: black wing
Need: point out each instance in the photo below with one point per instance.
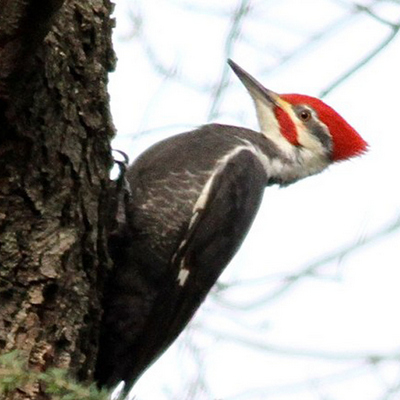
(217, 231)
(221, 219)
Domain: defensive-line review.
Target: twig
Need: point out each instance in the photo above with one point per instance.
(237, 21)
(312, 268)
(361, 63)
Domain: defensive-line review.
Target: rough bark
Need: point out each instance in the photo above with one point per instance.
(55, 131)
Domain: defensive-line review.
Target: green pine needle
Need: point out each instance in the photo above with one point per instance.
(14, 373)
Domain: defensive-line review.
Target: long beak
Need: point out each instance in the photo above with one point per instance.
(256, 90)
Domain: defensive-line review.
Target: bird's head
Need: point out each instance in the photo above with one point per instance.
(302, 125)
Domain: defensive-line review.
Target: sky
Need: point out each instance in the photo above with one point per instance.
(256, 340)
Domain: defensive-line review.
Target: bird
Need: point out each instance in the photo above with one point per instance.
(188, 204)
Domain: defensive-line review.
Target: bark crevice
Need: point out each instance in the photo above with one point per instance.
(55, 156)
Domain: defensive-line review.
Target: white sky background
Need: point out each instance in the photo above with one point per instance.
(332, 321)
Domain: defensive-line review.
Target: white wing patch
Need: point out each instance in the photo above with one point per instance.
(205, 193)
(183, 275)
(203, 198)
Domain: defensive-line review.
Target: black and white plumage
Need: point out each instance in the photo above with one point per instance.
(192, 200)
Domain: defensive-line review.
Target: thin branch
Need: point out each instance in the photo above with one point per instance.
(304, 385)
(312, 268)
(367, 10)
(234, 32)
(313, 40)
(219, 10)
(362, 63)
(198, 385)
(153, 131)
(273, 348)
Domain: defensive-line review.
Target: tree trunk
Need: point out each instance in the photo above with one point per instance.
(55, 132)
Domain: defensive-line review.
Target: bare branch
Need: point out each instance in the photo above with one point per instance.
(375, 16)
(238, 18)
(363, 62)
(273, 348)
(303, 385)
(311, 269)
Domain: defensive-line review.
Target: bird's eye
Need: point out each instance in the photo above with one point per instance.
(305, 115)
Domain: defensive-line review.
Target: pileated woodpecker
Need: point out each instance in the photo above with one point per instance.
(192, 199)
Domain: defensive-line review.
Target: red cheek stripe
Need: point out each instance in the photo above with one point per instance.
(287, 126)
